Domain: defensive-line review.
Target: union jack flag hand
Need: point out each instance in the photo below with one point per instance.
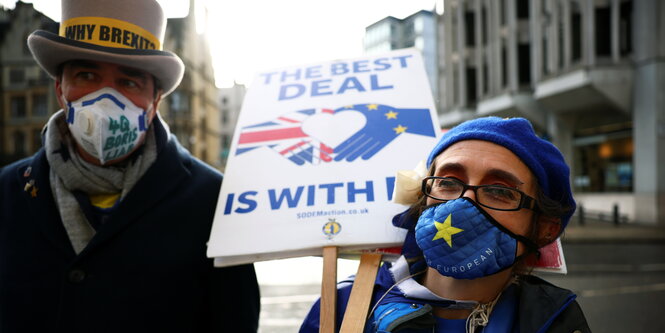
(285, 136)
(383, 124)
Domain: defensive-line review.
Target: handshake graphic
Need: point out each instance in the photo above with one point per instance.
(324, 135)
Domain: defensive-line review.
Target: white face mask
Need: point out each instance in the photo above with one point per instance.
(106, 124)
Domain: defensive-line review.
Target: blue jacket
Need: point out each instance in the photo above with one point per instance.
(145, 271)
(533, 305)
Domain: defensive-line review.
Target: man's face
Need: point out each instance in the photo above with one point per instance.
(477, 162)
(81, 77)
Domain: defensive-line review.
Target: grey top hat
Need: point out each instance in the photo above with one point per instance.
(124, 32)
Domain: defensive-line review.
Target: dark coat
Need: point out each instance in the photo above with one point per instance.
(145, 270)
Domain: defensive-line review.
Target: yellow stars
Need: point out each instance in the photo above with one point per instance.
(372, 106)
(349, 106)
(399, 129)
(446, 230)
(391, 114)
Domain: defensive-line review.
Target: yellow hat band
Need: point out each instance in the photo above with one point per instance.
(109, 32)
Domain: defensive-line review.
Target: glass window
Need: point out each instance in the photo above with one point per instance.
(469, 21)
(36, 139)
(179, 102)
(420, 43)
(19, 143)
(16, 75)
(604, 166)
(39, 105)
(603, 32)
(576, 30)
(522, 9)
(471, 95)
(225, 116)
(524, 64)
(418, 25)
(17, 107)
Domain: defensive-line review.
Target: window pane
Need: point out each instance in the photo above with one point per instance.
(39, 107)
(19, 143)
(17, 107)
(16, 75)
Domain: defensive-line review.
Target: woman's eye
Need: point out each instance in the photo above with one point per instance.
(448, 185)
(501, 193)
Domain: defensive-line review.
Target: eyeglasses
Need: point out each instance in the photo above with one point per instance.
(495, 197)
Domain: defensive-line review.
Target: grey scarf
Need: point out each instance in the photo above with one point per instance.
(69, 172)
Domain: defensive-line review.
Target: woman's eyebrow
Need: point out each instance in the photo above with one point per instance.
(450, 167)
(505, 176)
(493, 173)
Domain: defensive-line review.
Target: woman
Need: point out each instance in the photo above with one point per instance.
(494, 194)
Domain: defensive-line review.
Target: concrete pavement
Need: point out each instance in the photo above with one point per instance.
(602, 231)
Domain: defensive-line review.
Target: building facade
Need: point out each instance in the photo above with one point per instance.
(230, 100)
(417, 30)
(589, 74)
(192, 110)
(28, 96)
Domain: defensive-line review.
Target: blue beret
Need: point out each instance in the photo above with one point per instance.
(518, 136)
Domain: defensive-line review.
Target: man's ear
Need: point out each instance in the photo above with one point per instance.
(58, 93)
(155, 105)
(549, 229)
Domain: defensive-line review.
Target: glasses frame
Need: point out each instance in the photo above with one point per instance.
(526, 201)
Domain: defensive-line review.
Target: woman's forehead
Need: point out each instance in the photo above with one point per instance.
(476, 156)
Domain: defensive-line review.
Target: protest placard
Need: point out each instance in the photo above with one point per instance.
(314, 156)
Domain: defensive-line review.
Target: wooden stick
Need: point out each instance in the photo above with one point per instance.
(328, 290)
(361, 294)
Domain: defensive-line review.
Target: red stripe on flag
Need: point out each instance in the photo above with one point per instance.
(328, 111)
(292, 147)
(279, 134)
(325, 151)
(288, 120)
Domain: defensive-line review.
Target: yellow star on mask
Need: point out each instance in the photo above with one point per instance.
(446, 230)
(372, 106)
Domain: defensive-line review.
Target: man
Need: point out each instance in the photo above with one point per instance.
(493, 195)
(105, 228)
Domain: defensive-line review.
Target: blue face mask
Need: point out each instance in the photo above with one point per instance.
(461, 240)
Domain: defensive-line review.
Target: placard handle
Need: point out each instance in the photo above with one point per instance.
(328, 290)
(361, 294)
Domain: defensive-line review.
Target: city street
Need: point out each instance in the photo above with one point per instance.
(621, 288)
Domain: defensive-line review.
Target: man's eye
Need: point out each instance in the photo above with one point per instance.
(85, 75)
(130, 83)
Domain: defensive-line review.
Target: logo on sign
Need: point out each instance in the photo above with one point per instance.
(315, 136)
(331, 228)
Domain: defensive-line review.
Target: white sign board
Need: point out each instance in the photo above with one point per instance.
(314, 156)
